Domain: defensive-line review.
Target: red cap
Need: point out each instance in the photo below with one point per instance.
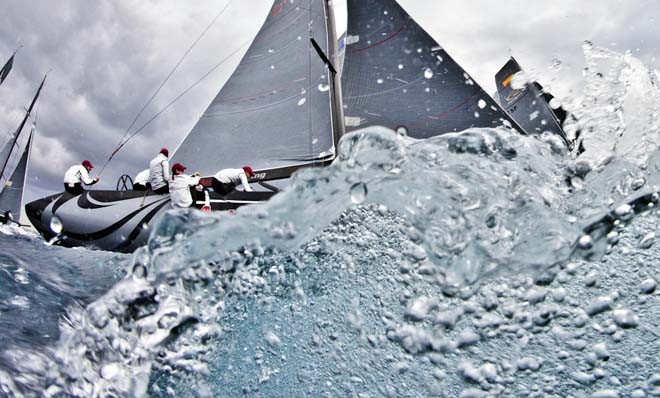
(178, 166)
(165, 152)
(87, 163)
(248, 171)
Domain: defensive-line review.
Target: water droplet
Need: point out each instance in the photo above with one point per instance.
(379, 81)
(302, 101)
(585, 242)
(476, 115)
(481, 104)
(556, 64)
(358, 192)
(624, 212)
(324, 87)
(56, 225)
(428, 73)
(647, 241)
(625, 318)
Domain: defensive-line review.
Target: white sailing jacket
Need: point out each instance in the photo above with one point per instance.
(234, 177)
(142, 177)
(180, 190)
(159, 172)
(77, 174)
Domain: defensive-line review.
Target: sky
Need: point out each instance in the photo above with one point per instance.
(105, 59)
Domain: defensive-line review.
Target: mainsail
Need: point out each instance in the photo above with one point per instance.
(395, 74)
(277, 111)
(526, 103)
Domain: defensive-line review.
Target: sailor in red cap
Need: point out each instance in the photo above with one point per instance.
(181, 193)
(78, 175)
(226, 180)
(159, 172)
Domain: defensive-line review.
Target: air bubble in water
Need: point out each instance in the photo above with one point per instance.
(56, 225)
(302, 101)
(379, 81)
(585, 242)
(428, 73)
(624, 212)
(358, 192)
(402, 131)
(324, 87)
(400, 66)
(481, 103)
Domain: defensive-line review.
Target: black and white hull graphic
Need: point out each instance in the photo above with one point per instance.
(114, 220)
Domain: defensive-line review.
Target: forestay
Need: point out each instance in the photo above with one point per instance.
(395, 74)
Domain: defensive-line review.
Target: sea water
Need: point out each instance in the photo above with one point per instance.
(457, 266)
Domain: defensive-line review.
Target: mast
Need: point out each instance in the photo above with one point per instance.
(20, 128)
(337, 111)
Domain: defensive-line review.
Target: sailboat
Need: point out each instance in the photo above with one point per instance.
(527, 103)
(282, 110)
(13, 181)
(278, 112)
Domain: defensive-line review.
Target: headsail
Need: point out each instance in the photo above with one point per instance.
(276, 112)
(11, 197)
(526, 104)
(396, 74)
(4, 72)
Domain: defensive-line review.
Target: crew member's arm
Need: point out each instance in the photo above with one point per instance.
(244, 181)
(84, 177)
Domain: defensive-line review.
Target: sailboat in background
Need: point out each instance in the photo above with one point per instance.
(396, 75)
(13, 178)
(278, 112)
(527, 103)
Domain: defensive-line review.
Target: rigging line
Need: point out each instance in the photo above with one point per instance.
(185, 54)
(182, 94)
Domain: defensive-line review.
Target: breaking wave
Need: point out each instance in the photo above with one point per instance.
(452, 266)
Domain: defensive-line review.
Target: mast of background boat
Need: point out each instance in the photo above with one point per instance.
(20, 127)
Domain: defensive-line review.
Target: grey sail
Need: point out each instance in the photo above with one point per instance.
(278, 112)
(4, 72)
(527, 103)
(11, 197)
(275, 113)
(395, 74)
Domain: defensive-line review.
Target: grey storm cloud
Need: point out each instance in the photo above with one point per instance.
(106, 58)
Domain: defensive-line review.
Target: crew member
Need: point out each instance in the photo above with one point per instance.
(141, 181)
(181, 193)
(159, 172)
(226, 180)
(78, 175)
